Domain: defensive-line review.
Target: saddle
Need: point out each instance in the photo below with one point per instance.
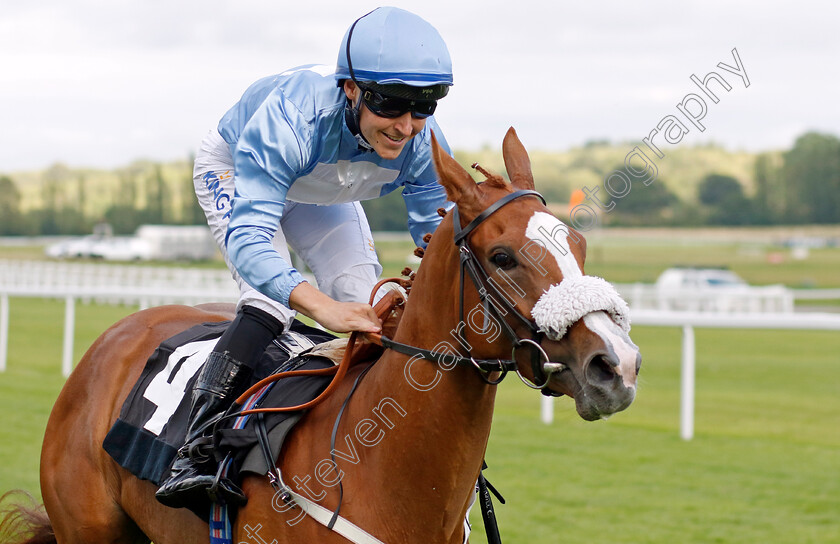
(153, 420)
(244, 436)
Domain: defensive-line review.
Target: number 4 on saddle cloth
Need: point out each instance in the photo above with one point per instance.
(153, 421)
(152, 424)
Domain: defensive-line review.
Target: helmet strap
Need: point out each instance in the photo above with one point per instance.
(352, 115)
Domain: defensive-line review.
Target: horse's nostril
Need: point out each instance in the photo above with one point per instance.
(600, 370)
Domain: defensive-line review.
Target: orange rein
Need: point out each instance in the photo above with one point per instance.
(340, 371)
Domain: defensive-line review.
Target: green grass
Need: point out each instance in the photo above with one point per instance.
(762, 468)
(23, 252)
(625, 260)
(33, 378)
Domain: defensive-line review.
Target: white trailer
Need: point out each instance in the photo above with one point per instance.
(177, 242)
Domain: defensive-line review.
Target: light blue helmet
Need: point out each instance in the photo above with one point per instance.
(391, 46)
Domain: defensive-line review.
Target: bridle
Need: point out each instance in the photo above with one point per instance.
(498, 305)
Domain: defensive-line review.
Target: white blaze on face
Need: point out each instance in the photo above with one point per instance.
(548, 237)
(618, 341)
(577, 295)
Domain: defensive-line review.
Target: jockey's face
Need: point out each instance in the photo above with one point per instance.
(387, 136)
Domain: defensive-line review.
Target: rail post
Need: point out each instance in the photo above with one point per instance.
(687, 384)
(4, 330)
(547, 409)
(69, 331)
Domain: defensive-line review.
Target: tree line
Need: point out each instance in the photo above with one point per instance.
(70, 206)
(800, 185)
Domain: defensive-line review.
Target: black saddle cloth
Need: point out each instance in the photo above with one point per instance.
(153, 421)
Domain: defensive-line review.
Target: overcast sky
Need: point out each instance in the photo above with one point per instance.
(101, 83)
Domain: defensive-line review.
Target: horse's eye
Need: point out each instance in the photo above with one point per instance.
(502, 260)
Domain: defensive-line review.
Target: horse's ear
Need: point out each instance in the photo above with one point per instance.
(517, 163)
(460, 186)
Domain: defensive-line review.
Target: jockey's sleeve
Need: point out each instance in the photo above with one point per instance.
(268, 158)
(422, 193)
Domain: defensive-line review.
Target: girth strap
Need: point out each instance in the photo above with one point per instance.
(324, 516)
(341, 525)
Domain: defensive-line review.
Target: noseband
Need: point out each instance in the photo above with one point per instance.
(496, 303)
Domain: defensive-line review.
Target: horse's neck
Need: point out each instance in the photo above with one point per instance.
(451, 402)
(430, 321)
(450, 409)
(439, 426)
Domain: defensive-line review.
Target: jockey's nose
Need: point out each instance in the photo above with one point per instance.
(403, 123)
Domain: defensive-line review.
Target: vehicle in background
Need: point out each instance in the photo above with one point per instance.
(150, 242)
(699, 278)
(177, 242)
(75, 248)
(689, 288)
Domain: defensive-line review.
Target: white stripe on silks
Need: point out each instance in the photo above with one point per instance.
(568, 301)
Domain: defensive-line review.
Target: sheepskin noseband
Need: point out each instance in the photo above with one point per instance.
(568, 301)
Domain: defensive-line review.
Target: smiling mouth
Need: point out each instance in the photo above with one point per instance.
(396, 140)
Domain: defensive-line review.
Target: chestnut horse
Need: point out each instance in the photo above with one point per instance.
(410, 444)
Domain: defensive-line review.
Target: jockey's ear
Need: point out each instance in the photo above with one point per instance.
(460, 186)
(517, 163)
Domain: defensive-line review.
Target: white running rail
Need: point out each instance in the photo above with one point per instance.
(143, 286)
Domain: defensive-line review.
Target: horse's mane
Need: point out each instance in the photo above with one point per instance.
(492, 180)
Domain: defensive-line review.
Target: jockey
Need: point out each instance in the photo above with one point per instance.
(287, 165)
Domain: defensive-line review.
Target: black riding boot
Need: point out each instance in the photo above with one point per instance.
(223, 378)
(194, 471)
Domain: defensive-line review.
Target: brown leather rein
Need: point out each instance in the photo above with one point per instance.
(468, 263)
(339, 371)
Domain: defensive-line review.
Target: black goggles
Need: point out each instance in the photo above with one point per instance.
(392, 107)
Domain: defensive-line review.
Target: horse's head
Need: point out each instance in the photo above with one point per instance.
(529, 297)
